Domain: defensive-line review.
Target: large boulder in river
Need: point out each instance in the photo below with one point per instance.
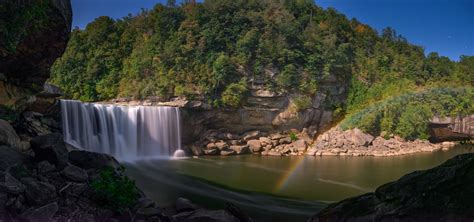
(443, 193)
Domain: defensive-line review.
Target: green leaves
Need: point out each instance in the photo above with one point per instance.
(408, 115)
(114, 191)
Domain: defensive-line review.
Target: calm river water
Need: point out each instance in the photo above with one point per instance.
(275, 188)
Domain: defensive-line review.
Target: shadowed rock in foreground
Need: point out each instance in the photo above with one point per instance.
(443, 193)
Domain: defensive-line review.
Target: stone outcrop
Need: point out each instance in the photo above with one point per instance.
(443, 193)
(29, 48)
(354, 142)
(452, 128)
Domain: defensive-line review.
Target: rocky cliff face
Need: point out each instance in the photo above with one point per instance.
(452, 128)
(32, 35)
(267, 111)
(443, 193)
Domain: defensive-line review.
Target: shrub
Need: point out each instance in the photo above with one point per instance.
(234, 94)
(302, 102)
(114, 191)
(408, 115)
(293, 136)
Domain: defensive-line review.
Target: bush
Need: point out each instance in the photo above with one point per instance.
(234, 94)
(302, 102)
(293, 136)
(408, 115)
(114, 191)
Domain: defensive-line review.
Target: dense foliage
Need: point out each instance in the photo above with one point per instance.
(215, 50)
(200, 49)
(17, 20)
(408, 115)
(114, 191)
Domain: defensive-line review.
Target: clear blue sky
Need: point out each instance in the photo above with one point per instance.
(443, 26)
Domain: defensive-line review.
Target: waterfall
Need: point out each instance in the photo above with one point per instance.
(126, 132)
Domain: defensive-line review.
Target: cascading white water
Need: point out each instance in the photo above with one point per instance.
(126, 132)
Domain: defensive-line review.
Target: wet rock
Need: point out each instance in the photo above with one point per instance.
(74, 173)
(90, 160)
(39, 193)
(50, 148)
(213, 151)
(10, 184)
(241, 149)
(196, 150)
(228, 152)
(274, 153)
(41, 214)
(254, 145)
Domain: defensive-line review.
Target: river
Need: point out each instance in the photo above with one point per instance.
(275, 188)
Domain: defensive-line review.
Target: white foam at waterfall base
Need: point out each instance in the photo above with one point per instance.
(126, 132)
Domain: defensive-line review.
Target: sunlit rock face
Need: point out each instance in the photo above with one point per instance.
(443, 193)
(126, 132)
(268, 111)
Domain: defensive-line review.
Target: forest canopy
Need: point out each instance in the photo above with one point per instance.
(213, 51)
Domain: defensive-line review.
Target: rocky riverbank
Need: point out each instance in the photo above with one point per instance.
(334, 142)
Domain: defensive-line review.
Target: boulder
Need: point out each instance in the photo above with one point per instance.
(9, 137)
(51, 148)
(241, 149)
(74, 173)
(39, 193)
(358, 138)
(285, 140)
(90, 160)
(45, 167)
(10, 157)
(221, 145)
(10, 184)
(254, 134)
(228, 152)
(41, 214)
(443, 193)
(300, 145)
(254, 145)
(213, 151)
